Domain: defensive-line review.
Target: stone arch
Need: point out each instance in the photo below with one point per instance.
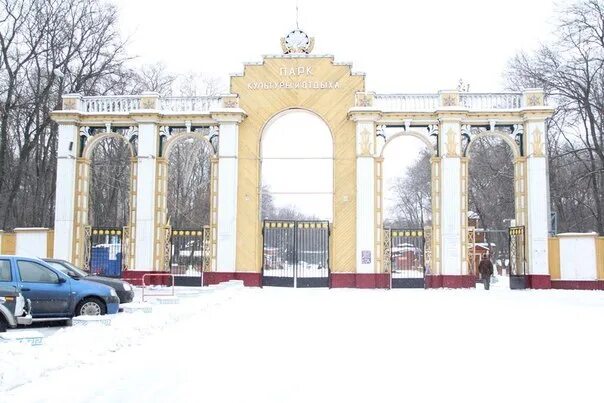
(174, 139)
(276, 116)
(98, 138)
(498, 135)
(410, 133)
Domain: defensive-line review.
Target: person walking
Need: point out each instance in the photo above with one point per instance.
(485, 267)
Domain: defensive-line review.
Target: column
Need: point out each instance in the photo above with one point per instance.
(146, 213)
(367, 227)
(452, 235)
(65, 194)
(535, 113)
(365, 193)
(226, 221)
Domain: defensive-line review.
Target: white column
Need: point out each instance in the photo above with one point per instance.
(365, 194)
(145, 196)
(65, 191)
(537, 202)
(450, 198)
(226, 226)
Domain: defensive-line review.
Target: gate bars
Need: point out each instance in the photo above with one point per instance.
(295, 253)
(517, 258)
(407, 258)
(105, 256)
(189, 255)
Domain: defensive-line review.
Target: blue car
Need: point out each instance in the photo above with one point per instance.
(53, 294)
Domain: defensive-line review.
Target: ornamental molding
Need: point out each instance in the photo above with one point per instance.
(365, 143)
(538, 143)
(451, 144)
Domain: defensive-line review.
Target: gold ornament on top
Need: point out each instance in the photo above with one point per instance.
(297, 42)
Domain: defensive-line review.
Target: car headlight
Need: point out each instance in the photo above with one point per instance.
(113, 293)
(127, 287)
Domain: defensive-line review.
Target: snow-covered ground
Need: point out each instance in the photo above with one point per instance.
(319, 345)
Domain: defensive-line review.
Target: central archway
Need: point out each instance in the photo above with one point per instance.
(296, 198)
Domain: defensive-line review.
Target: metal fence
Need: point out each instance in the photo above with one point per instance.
(189, 255)
(105, 258)
(518, 273)
(407, 257)
(295, 253)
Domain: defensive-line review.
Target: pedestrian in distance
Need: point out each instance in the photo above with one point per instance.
(486, 270)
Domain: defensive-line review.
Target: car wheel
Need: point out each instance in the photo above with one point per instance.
(91, 307)
(3, 324)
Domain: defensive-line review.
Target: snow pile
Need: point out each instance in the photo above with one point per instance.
(80, 345)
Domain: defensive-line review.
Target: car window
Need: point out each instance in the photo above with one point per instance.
(59, 267)
(33, 272)
(5, 274)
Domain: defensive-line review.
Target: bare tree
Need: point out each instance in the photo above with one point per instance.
(189, 181)
(110, 184)
(411, 193)
(47, 47)
(571, 70)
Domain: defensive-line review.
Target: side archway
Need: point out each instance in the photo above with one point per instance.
(485, 233)
(187, 204)
(105, 202)
(415, 206)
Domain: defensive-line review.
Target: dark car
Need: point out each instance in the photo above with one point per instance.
(124, 290)
(14, 309)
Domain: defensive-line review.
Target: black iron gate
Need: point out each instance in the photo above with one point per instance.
(295, 253)
(189, 255)
(407, 260)
(105, 258)
(517, 259)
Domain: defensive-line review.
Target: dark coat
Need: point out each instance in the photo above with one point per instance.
(485, 267)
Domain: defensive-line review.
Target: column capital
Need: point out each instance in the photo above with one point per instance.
(362, 114)
(228, 115)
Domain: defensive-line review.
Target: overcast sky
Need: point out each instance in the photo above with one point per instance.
(402, 46)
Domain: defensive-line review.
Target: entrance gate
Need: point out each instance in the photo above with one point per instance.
(407, 257)
(104, 251)
(295, 253)
(517, 258)
(189, 255)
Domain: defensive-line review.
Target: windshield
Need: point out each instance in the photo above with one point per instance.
(66, 267)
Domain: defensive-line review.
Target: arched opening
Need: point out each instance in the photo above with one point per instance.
(110, 157)
(296, 151)
(188, 205)
(406, 207)
(495, 179)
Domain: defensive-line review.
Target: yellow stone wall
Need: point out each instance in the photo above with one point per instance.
(268, 89)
